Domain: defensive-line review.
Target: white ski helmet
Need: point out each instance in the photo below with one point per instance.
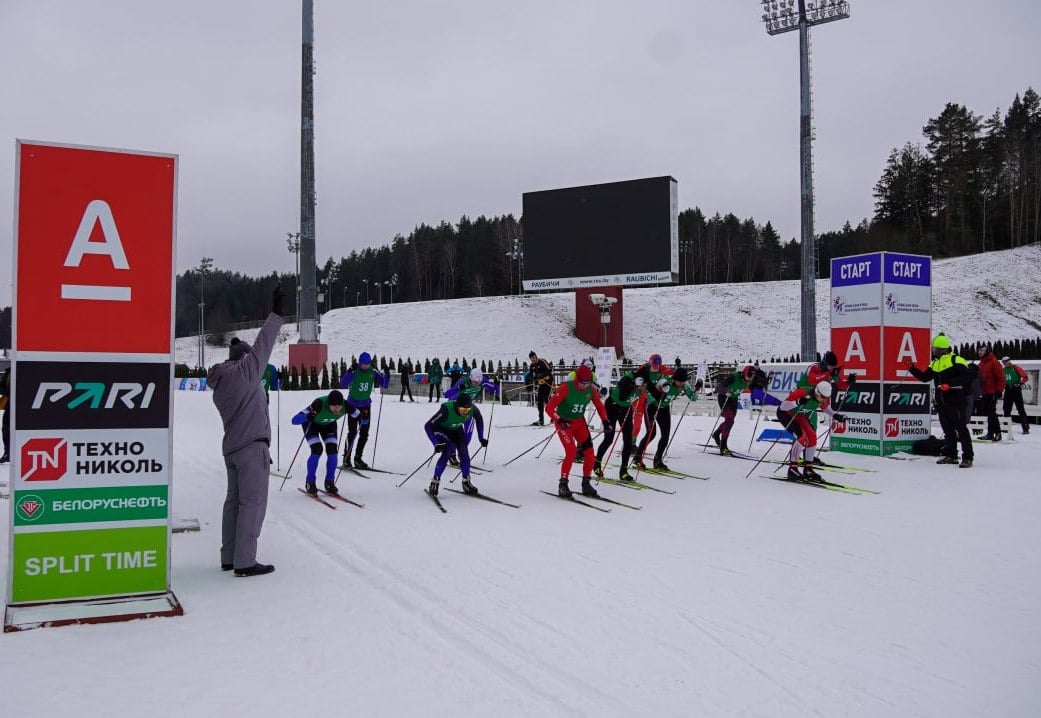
(823, 389)
(476, 374)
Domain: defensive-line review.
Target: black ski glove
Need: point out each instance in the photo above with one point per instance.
(439, 447)
(852, 379)
(562, 423)
(484, 443)
(277, 298)
(838, 417)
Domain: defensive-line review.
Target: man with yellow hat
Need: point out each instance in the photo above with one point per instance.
(948, 372)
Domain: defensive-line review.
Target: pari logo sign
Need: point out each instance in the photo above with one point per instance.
(44, 459)
(104, 396)
(861, 398)
(906, 398)
(95, 233)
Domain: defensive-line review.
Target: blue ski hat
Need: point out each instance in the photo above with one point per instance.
(365, 358)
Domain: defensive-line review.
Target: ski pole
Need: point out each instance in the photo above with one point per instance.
(755, 428)
(286, 477)
(827, 433)
(537, 445)
(278, 430)
(376, 440)
(614, 443)
(768, 450)
(652, 430)
(491, 424)
(677, 429)
(416, 470)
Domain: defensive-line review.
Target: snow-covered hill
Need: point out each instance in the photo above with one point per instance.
(981, 297)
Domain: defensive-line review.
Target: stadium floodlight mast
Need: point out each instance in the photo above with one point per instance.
(781, 16)
(294, 248)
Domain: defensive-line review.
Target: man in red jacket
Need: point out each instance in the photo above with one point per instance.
(992, 384)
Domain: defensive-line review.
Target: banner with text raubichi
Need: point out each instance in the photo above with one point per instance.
(611, 234)
(92, 372)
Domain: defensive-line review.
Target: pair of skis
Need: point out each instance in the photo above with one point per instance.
(325, 502)
(823, 484)
(437, 499)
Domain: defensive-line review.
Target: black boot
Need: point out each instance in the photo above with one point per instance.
(793, 473)
(330, 487)
(724, 450)
(625, 476)
(660, 465)
(563, 489)
(435, 484)
(358, 463)
(811, 474)
(310, 488)
(469, 488)
(587, 487)
(598, 468)
(716, 438)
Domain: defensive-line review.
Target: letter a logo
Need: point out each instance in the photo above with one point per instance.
(97, 212)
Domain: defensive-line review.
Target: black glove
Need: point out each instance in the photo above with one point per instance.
(276, 301)
(803, 400)
(484, 443)
(838, 417)
(562, 423)
(852, 379)
(439, 447)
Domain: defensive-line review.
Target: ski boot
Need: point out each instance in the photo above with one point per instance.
(310, 488)
(330, 487)
(587, 488)
(811, 474)
(724, 450)
(625, 476)
(435, 484)
(453, 461)
(947, 460)
(598, 469)
(965, 464)
(468, 488)
(793, 473)
(346, 461)
(563, 490)
(716, 438)
(639, 465)
(817, 461)
(660, 466)
(358, 463)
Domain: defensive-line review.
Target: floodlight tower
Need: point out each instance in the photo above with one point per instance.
(308, 352)
(308, 318)
(784, 16)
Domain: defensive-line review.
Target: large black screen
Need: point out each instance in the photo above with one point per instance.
(613, 233)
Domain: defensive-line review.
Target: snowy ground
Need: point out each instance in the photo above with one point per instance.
(732, 597)
(975, 298)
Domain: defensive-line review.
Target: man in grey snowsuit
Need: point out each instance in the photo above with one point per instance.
(239, 397)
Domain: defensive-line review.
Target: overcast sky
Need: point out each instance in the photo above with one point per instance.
(428, 111)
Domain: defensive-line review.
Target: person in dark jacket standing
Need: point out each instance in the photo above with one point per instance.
(992, 385)
(542, 379)
(405, 370)
(434, 378)
(948, 372)
(1015, 378)
(239, 397)
(5, 420)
